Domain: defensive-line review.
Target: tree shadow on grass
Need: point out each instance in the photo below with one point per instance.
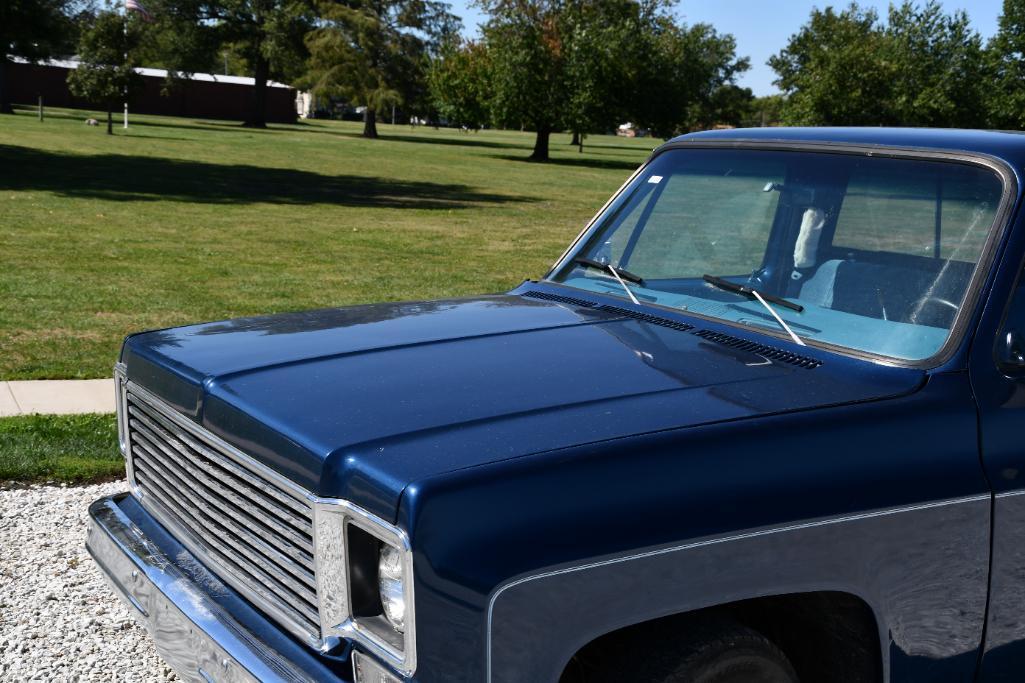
(230, 127)
(116, 177)
(611, 164)
(465, 140)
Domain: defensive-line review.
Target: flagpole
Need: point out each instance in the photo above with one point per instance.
(125, 25)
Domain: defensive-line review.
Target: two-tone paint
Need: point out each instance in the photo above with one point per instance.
(566, 464)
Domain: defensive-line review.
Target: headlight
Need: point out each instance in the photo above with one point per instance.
(365, 582)
(389, 581)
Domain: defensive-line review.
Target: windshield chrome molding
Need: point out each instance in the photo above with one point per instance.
(970, 305)
(402, 660)
(573, 247)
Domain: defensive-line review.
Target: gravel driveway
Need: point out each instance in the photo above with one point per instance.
(58, 619)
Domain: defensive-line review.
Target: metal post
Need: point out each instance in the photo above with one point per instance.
(40, 109)
(125, 24)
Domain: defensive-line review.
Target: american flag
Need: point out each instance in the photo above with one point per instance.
(136, 6)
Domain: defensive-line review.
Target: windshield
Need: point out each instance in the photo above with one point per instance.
(877, 253)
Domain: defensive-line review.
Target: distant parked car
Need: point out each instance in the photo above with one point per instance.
(762, 421)
(630, 130)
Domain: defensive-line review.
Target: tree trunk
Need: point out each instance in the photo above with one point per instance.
(370, 123)
(540, 152)
(576, 138)
(258, 114)
(580, 144)
(110, 121)
(5, 101)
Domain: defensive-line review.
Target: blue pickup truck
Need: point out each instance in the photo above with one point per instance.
(763, 421)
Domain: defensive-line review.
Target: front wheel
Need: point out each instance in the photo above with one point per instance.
(723, 652)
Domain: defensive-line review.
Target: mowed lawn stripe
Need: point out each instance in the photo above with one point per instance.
(63, 448)
(178, 221)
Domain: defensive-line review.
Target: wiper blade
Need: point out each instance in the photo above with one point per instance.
(618, 273)
(763, 299)
(751, 292)
(608, 267)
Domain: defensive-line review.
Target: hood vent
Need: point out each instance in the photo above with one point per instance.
(646, 317)
(614, 310)
(558, 298)
(761, 349)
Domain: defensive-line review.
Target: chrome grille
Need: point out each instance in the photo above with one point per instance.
(251, 528)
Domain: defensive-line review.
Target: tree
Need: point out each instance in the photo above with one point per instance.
(922, 68)
(690, 79)
(604, 53)
(34, 29)
(763, 111)
(459, 81)
(530, 85)
(105, 75)
(728, 104)
(940, 75)
(267, 35)
(370, 51)
(589, 64)
(834, 70)
(1005, 56)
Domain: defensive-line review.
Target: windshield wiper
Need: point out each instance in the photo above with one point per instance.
(751, 292)
(618, 273)
(763, 299)
(608, 267)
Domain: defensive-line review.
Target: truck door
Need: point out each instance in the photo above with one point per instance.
(998, 382)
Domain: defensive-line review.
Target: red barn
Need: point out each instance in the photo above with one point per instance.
(199, 96)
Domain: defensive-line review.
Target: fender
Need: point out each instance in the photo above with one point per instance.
(883, 500)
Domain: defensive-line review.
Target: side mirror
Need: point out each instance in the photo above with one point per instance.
(1011, 353)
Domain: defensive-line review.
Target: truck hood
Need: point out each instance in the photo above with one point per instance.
(359, 402)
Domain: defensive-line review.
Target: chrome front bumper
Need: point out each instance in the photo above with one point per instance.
(172, 596)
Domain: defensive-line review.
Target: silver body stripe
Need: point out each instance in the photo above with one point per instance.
(719, 540)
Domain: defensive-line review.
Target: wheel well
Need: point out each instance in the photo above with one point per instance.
(827, 636)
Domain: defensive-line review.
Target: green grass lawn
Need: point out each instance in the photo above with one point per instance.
(177, 221)
(63, 448)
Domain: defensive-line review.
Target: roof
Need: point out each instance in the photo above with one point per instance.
(1006, 145)
(160, 73)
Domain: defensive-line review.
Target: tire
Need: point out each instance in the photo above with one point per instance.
(723, 652)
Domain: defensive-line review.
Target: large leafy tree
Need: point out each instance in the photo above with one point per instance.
(36, 29)
(460, 83)
(375, 52)
(690, 80)
(265, 35)
(588, 64)
(1006, 60)
(922, 67)
(107, 53)
(526, 41)
(604, 55)
(834, 70)
(940, 75)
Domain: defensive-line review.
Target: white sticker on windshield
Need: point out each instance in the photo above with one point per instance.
(655, 179)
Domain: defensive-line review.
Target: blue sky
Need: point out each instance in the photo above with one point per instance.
(763, 27)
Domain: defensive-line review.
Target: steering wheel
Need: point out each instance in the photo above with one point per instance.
(931, 300)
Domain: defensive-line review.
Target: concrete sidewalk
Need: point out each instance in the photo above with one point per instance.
(56, 396)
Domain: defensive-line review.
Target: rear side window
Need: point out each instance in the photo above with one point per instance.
(941, 214)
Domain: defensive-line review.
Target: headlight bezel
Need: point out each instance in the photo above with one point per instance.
(332, 521)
